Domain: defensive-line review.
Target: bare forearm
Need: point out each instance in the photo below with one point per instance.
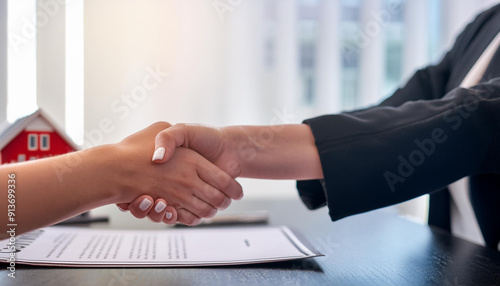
(53, 189)
(276, 152)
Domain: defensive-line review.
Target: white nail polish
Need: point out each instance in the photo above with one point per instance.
(168, 215)
(159, 154)
(145, 203)
(122, 210)
(160, 206)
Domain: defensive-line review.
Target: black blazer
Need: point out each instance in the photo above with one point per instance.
(427, 135)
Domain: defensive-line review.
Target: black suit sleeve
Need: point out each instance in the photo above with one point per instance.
(385, 155)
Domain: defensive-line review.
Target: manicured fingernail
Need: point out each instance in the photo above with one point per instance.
(145, 203)
(121, 209)
(160, 206)
(168, 215)
(159, 154)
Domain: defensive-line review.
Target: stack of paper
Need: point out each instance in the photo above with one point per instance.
(82, 247)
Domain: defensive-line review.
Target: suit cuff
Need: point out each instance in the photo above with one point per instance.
(312, 193)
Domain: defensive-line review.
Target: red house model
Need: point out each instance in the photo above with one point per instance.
(32, 137)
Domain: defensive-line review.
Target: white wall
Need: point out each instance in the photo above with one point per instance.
(21, 58)
(51, 59)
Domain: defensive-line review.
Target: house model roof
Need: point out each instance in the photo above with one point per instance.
(9, 132)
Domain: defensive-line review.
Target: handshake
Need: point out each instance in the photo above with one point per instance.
(193, 168)
(179, 173)
(191, 175)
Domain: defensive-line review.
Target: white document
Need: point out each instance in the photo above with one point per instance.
(83, 247)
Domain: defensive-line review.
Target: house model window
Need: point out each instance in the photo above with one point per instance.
(44, 142)
(32, 142)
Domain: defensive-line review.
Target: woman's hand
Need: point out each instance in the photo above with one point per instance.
(221, 146)
(190, 184)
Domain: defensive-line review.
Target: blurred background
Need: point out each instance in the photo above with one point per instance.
(103, 69)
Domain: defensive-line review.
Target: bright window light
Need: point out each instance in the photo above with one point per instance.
(21, 57)
(74, 70)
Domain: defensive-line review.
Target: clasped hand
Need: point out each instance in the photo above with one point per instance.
(191, 176)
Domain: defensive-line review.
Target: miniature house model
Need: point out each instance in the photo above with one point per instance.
(32, 137)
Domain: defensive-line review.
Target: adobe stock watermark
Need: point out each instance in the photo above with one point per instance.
(46, 10)
(266, 135)
(12, 224)
(426, 147)
(222, 7)
(122, 107)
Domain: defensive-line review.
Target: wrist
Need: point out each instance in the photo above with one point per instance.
(276, 152)
(108, 175)
(238, 147)
(247, 143)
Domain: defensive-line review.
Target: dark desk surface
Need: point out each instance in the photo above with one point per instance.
(376, 248)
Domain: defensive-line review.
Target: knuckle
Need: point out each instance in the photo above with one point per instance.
(223, 180)
(140, 216)
(185, 217)
(212, 213)
(194, 220)
(239, 191)
(192, 161)
(154, 219)
(205, 212)
(180, 125)
(182, 218)
(191, 221)
(220, 200)
(163, 135)
(235, 192)
(185, 178)
(162, 124)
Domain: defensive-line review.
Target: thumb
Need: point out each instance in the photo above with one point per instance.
(167, 140)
